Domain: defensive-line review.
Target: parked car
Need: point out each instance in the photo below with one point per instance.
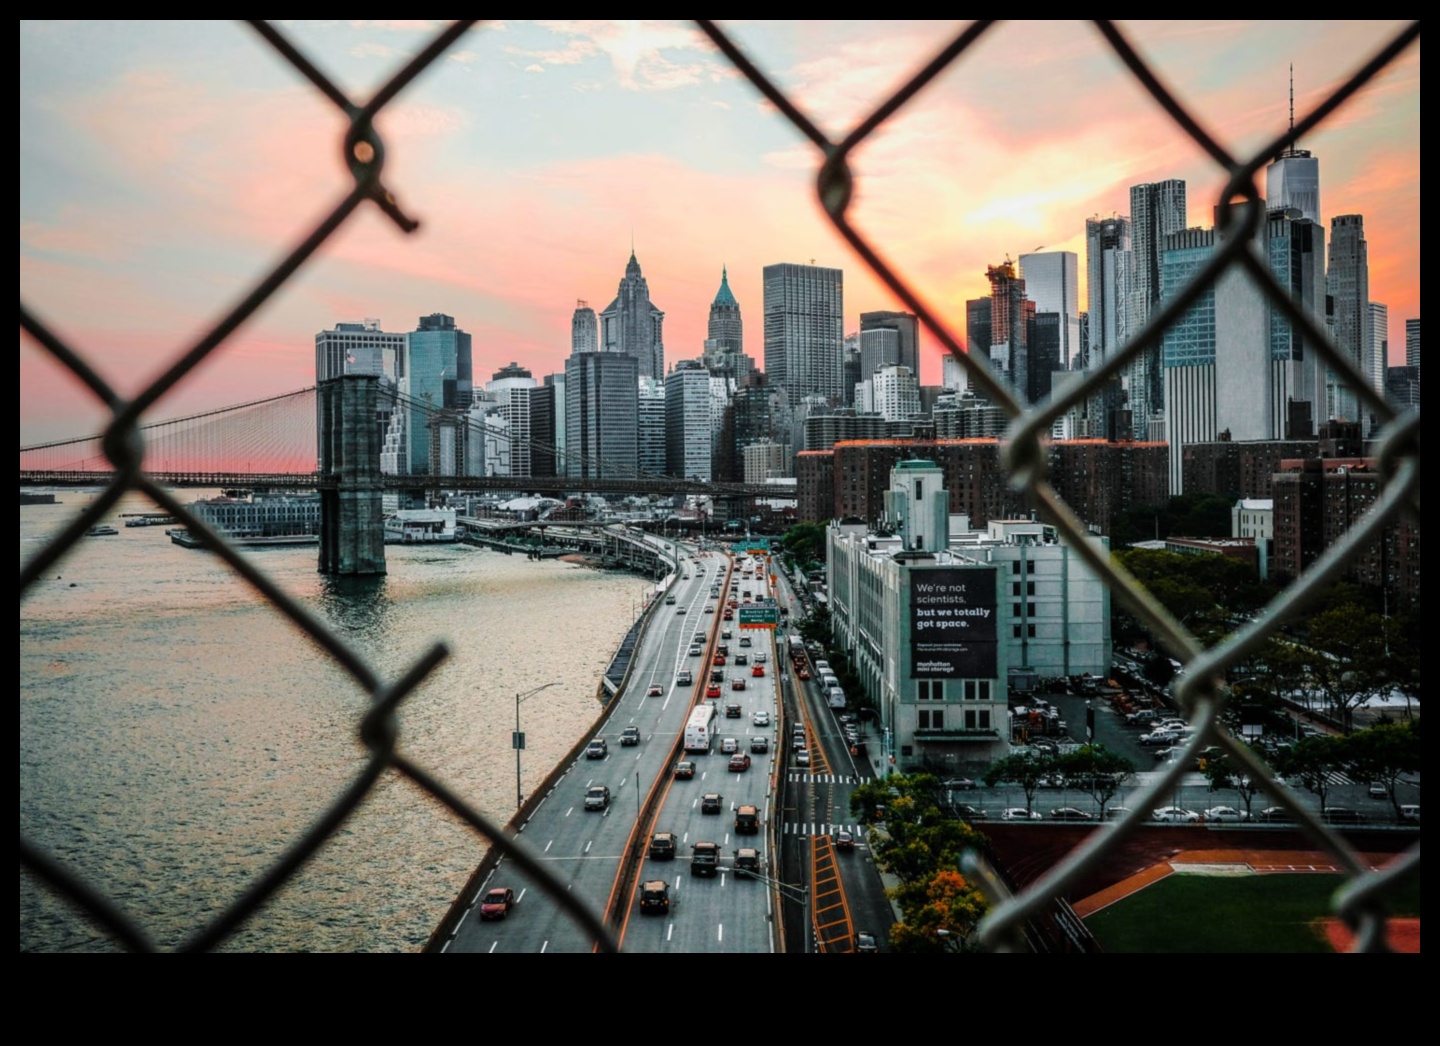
(1069, 813)
(1226, 815)
(629, 737)
(1115, 813)
(955, 784)
(1275, 815)
(685, 769)
(739, 762)
(1018, 813)
(1378, 791)
(497, 903)
(760, 717)
(967, 812)
(1410, 812)
(655, 690)
(1343, 815)
(1174, 815)
(711, 802)
(597, 749)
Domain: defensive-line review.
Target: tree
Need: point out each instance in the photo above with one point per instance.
(1345, 659)
(1024, 771)
(1098, 771)
(1382, 753)
(1220, 774)
(816, 627)
(1311, 762)
(804, 543)
(940, 915)
(920, 838)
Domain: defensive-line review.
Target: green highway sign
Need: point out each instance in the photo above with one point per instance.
(758, 616)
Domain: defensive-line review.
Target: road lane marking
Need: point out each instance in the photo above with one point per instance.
(548, 845)
(587, 847)
(494, 945)
(720, 932)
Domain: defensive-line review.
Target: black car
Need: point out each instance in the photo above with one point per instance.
(865, 942)
(1343, 815)
(662, 846)
(1069, 813)
(711, 802)
(630, 736)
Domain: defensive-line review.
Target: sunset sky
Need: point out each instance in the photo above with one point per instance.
(165, 167)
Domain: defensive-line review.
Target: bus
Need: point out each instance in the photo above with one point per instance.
(700, 728)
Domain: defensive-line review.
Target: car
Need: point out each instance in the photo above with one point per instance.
(1018, 813)
(757, 670)
(1410, 812)
(597, 749)
(597, 797)
(1160, 738)
(760, 717)
(698, 638)
(736, 684)
(1225, 815)
(865, 942)
(747, 862)
(803, 673)
(759, 744)
(1069, 813)
(1378, 791)
(802, 757)
(654, 897)
(705, 858)
(797, 739)
(733, 709)
(747, 820)
(713, 690)
(1343, 815)
(1275, 815)
(685, 769)
(630, 736)
(709, 609)
(719, 659)
(1174, 815)
(725, 634)
(1116, 813)
(966, 812)
(760, 657)
(655, 690)
(844, 841)
(711, 802)
(739, 762)
(729, 746)
(742, 659)
(684, 678)
(723, 648)
(955, 784)
(695, 651)
(497, 903)
(729, 615)
(744, 640)
(662, 846)
(680, 611)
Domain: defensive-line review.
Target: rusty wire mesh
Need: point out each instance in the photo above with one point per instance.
(1239, 215)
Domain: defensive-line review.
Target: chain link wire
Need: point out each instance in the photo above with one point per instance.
(1201, 693)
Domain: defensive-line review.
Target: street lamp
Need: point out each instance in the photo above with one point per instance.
(517, 739)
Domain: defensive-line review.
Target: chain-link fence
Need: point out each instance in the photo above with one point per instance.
(1239, 217)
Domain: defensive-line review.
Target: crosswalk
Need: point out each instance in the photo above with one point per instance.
(803, 778)
(822, 828)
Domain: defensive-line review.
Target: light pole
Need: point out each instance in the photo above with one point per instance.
(517, 739)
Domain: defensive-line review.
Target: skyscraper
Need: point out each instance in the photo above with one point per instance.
(1293, 178)
(725, 335)
(584, 329)
(688, 426)
(632, 325)
(601, 413)
(1051, 282)
(906, 326)
(1157, 209)
(435, 374)
(1009, 347)
(1107, 269)
(804, 330)
(650, 427)
(1348, 275)
(1412, 342)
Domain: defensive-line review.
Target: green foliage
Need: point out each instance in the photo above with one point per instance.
(1311, 762)
(1344, 657)
(1098, 771)
(805, 543)
(1382, 753)
(1023, 771)
(919, 838)
(940, 915)
(816, 627)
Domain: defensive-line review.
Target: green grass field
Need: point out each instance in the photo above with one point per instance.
(1248, 913)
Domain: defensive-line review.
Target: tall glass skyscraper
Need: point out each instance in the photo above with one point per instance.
(1052, 283)
(436, 375)
(602, 408)
(1157, 209)
(805, 331)
(1348, 276)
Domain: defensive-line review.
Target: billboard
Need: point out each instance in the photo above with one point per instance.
(953, 628)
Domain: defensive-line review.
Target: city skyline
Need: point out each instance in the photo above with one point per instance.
(166, 167)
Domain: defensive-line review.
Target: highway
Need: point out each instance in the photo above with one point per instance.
(587, 848)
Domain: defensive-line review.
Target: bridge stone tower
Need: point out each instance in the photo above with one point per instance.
(352, 531)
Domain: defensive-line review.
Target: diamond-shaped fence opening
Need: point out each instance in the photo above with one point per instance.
(1239, 217)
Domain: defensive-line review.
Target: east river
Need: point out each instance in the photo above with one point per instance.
(177, 733)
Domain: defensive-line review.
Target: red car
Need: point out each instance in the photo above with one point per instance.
(737, 684)
(719, 659)
(497, 903)
(758, 670)
(712, 691)
(739, 762)
(804, 673)
(729, 615)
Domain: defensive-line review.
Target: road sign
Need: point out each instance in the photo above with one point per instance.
(758, 616)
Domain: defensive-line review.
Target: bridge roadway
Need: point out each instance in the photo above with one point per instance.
(587, 849)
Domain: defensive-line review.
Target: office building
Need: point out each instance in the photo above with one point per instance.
(1378, 354)
(601, 415)
(897, 393)
(1412, 342)
(1052, 283)
(1292, 181)
(1349, 287)
(935, 617)
(632, 326)
(1009, 351)
(688, 426)
(1107, 267)
(584, 329)
(359, 348)
(906, 327)
(804, 331)
(1157, 209)
(651, 428)
(435, 374)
